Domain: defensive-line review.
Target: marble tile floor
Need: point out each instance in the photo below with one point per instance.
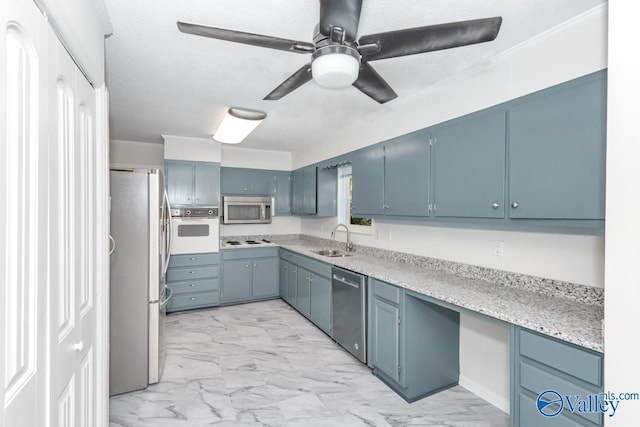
(263, 364)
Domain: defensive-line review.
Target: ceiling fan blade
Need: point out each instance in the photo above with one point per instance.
(340, 13)
(246, 38)
(427, 39)
(292, 83)
(373, 85)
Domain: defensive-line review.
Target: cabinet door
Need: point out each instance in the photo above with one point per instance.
(386, 339)
(234, 181)
(309, 190)
(292, 285)
(469, 163)
(367, 172)
(283, 279)
(236, 280)
(303, 302)
(320, 305)
(557, 144)
(207, 184)
(261, 182)
(297, 191)
(406, 175)
(179, 182)
(265, 277)
(283, 193)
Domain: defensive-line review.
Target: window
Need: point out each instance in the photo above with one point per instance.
(345, 199)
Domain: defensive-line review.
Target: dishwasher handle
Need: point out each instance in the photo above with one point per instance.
(345, 281)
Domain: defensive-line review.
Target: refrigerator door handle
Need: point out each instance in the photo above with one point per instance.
(169, 232)
(169, 294)
(112, 244)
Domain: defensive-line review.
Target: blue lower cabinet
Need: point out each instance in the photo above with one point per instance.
(320, 302)
(307, 288)
(414, 344)
(303, 297)
(249, 275)
(194, 281)
(549, 370)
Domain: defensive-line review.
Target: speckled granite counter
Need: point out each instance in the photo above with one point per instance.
(569, 318)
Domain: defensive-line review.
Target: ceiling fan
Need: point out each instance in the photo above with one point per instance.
(338, 60)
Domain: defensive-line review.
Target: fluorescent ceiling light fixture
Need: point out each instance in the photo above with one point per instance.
(335, 66)
(237, 124)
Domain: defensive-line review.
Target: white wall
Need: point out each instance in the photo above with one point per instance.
(239, 157)
(622, 317)
(134, 154)
(279, 225)
(574, 49)
(193, 149)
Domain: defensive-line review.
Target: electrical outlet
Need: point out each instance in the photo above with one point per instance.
(498, 248)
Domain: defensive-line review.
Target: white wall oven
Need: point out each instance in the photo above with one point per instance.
(247, 210)
(194, 230)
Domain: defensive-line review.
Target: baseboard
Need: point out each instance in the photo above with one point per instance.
(484, 393)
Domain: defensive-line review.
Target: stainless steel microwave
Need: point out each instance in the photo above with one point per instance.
(246, 210)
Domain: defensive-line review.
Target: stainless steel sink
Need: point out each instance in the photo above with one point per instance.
(332, 253)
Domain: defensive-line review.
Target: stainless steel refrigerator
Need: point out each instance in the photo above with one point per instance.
(140, 232)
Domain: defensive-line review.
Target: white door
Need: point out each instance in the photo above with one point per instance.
(73, 319)
(24, 278)
(49, 241)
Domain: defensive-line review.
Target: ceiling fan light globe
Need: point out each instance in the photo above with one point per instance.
(335, 70)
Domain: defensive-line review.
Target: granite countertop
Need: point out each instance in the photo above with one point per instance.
(567, 319)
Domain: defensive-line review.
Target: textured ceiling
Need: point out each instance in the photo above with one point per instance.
(162, 81)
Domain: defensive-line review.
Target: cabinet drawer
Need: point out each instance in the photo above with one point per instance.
(389, 292)
(564, 357)
(196, 300)
(538, 380)
(250, 253)
(317, 267)
(189, 260)
(191, 273)
(195, 286)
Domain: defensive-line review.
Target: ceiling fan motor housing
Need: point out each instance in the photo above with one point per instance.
(335, 66)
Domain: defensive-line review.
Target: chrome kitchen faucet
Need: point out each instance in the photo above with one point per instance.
(349, 243)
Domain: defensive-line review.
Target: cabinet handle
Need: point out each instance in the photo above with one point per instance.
(247, 265)
(192, 259)
(495, 206)
(310, 280)
(255, 265)
(244, 189)
(252, 189)
(193, 298)
(192, 284)
(514, 205)
(192, 272)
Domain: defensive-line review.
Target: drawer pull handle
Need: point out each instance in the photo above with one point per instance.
(192, 258)
(255, 265)
(192, 284)
(193, 298)
(192, 272)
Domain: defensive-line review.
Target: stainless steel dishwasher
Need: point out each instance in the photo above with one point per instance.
(349, 298)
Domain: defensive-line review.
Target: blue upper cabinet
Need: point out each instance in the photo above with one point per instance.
(406, 175)
(469, 166)
(304, 191)
(192, 183)
(283, 193)
(557, 142)
(368, 182)
(207, 184)
(251, 182)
